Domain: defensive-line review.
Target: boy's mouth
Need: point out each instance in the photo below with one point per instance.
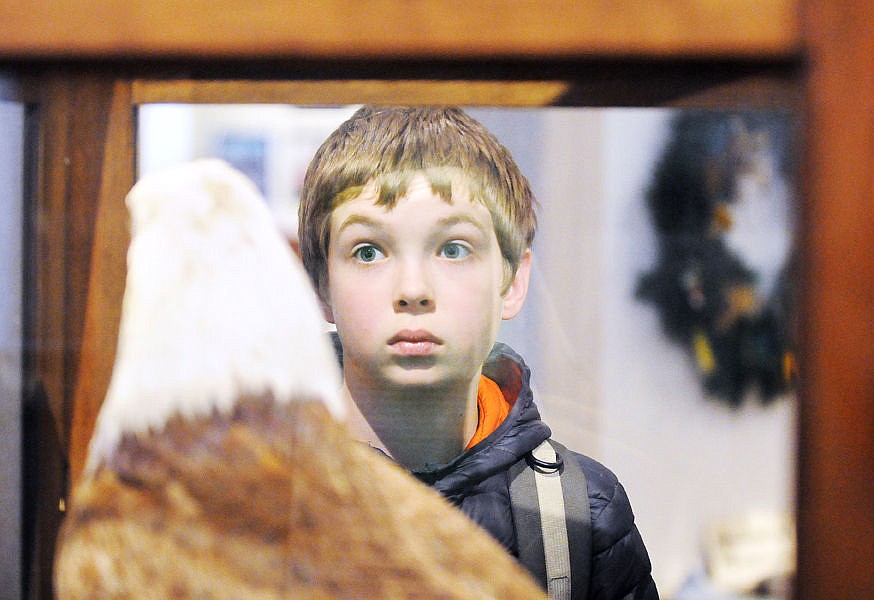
(414, 342)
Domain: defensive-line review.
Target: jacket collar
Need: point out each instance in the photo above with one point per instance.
(521, 431)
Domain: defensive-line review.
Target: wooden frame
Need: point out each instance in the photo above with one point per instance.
(817, 55)
(400, 29)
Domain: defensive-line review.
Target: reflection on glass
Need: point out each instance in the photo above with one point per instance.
(11, 226)
(711, 482)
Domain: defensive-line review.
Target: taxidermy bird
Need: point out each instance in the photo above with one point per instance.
(219, 466)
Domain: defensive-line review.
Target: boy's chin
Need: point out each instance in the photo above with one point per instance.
(416, 364)
(422, 376)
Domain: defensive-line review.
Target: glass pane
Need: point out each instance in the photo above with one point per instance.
(620, 370)
(11, 220)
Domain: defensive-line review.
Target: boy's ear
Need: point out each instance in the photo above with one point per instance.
(514, 299)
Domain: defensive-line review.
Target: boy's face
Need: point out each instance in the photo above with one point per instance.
(415, 290)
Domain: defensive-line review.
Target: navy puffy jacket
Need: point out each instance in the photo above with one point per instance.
(477, 482)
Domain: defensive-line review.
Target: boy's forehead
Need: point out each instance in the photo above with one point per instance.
(419, 182)
(415, 197)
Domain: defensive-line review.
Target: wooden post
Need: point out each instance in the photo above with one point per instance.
(836, 449)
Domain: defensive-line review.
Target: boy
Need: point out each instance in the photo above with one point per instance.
(416, 229)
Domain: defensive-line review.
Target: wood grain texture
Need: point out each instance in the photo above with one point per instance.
(603, 87)
(398, 28)
(113, 176)
(835, 489)
(356, 91)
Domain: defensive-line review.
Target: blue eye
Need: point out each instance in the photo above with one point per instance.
(454, 250)
(367, 253)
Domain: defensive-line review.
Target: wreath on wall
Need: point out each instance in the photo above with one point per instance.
(706, 286)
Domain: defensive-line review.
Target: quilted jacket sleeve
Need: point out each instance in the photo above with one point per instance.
(621, 567)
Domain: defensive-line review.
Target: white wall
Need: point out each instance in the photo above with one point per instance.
(685, 459)
(174, 133)
(607, 381)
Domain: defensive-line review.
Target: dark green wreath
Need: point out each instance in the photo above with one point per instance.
(705, 294)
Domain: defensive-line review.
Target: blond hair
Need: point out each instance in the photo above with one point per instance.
(388, 146)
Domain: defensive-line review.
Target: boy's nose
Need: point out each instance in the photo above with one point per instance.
(413, 292)
(421, 302)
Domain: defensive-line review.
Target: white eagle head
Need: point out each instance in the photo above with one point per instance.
(216, 306)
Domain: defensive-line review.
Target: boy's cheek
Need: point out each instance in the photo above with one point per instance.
(353, 307)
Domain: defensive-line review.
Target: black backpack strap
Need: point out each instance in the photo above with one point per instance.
(550, 505)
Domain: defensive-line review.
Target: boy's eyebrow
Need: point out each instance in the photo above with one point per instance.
(461, 219)
(443, 223)
(359, 220)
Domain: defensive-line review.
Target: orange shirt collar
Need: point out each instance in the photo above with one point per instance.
(493, 409)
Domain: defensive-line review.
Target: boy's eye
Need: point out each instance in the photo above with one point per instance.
(454, 250)
(367, 253)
